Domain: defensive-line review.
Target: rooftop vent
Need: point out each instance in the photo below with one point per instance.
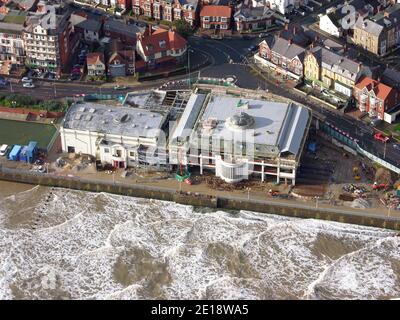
(109, 110)
(92, 110)
(82, 109)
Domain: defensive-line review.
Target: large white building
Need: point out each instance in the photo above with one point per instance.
(238, 137)
(121, 136)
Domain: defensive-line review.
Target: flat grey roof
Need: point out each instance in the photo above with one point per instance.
(187, 121)
(276, 124)
(268, 116)
(123, 121)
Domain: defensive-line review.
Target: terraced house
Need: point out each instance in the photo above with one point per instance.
(375, 97)
(326, 69)
(168, 10)
(379, 33)
(282, 55)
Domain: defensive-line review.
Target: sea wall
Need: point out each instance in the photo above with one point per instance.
(291, 209)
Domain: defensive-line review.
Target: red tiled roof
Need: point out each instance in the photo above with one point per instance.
(93, 57)
(152, 44)
(216, 11)
(381, 90)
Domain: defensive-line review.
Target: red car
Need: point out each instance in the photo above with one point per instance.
(379, 136)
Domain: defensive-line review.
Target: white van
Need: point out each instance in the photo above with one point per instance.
(3, 150)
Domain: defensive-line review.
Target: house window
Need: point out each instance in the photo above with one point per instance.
(106, 150)
(131, 153)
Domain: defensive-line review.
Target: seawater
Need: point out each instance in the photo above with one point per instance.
(66, 244)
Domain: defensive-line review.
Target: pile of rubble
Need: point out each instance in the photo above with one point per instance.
(219, 184)
(359, 191)
(390, 200)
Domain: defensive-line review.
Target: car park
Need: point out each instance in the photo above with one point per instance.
(381, 137)
(3, 150)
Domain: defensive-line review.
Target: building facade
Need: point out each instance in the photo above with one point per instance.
(374, 97)
(48, 42)
(326, 69)
(281, 55)
(161, 47)
(95, 64)
(216, 17)
(380, 33)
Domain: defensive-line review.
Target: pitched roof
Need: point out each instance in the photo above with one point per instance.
(381, 90)
(337, 63)
(285, 47)
(216, 11)
(113, 25)
(90, 24)
(94, 57)
(162, 40)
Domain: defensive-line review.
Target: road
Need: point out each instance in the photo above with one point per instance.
(51, 90)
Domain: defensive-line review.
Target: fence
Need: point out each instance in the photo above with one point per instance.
(293, 209)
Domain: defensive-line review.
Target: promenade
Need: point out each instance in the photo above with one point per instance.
(202, 195)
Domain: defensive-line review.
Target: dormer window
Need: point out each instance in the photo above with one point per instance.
(162, 44)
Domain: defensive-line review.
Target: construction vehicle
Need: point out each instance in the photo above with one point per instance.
(356, 173)
(381, 186)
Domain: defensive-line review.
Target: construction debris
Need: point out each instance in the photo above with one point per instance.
(360, 203)
(383, 176)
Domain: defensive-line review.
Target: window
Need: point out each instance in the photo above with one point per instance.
(131, 153)
(106, 150)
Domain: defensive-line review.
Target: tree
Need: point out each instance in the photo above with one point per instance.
(183, 28)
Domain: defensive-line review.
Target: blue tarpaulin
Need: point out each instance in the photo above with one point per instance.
(14, 154)
(312, 146)
(31, 151)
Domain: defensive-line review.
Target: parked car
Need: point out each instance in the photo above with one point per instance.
(396, 146)
(3, 150)
(120, 87)
(381, 137)
(26, 79)
(325, 92)
(28, 85)
(254, 47)
(74, 76)
(375, 122)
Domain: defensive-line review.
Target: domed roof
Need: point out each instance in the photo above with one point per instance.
(240, 120)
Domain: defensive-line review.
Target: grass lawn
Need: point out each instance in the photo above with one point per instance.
(18, 132)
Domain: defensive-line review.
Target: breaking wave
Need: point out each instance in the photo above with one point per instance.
(65, 244)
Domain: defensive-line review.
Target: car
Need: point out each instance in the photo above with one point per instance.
(120, 87)
(325, 92)
(28, 85)
(26, 79)
(381, 137)
(3, 150)
(375, 122)
(253, 47)
(396, 146)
